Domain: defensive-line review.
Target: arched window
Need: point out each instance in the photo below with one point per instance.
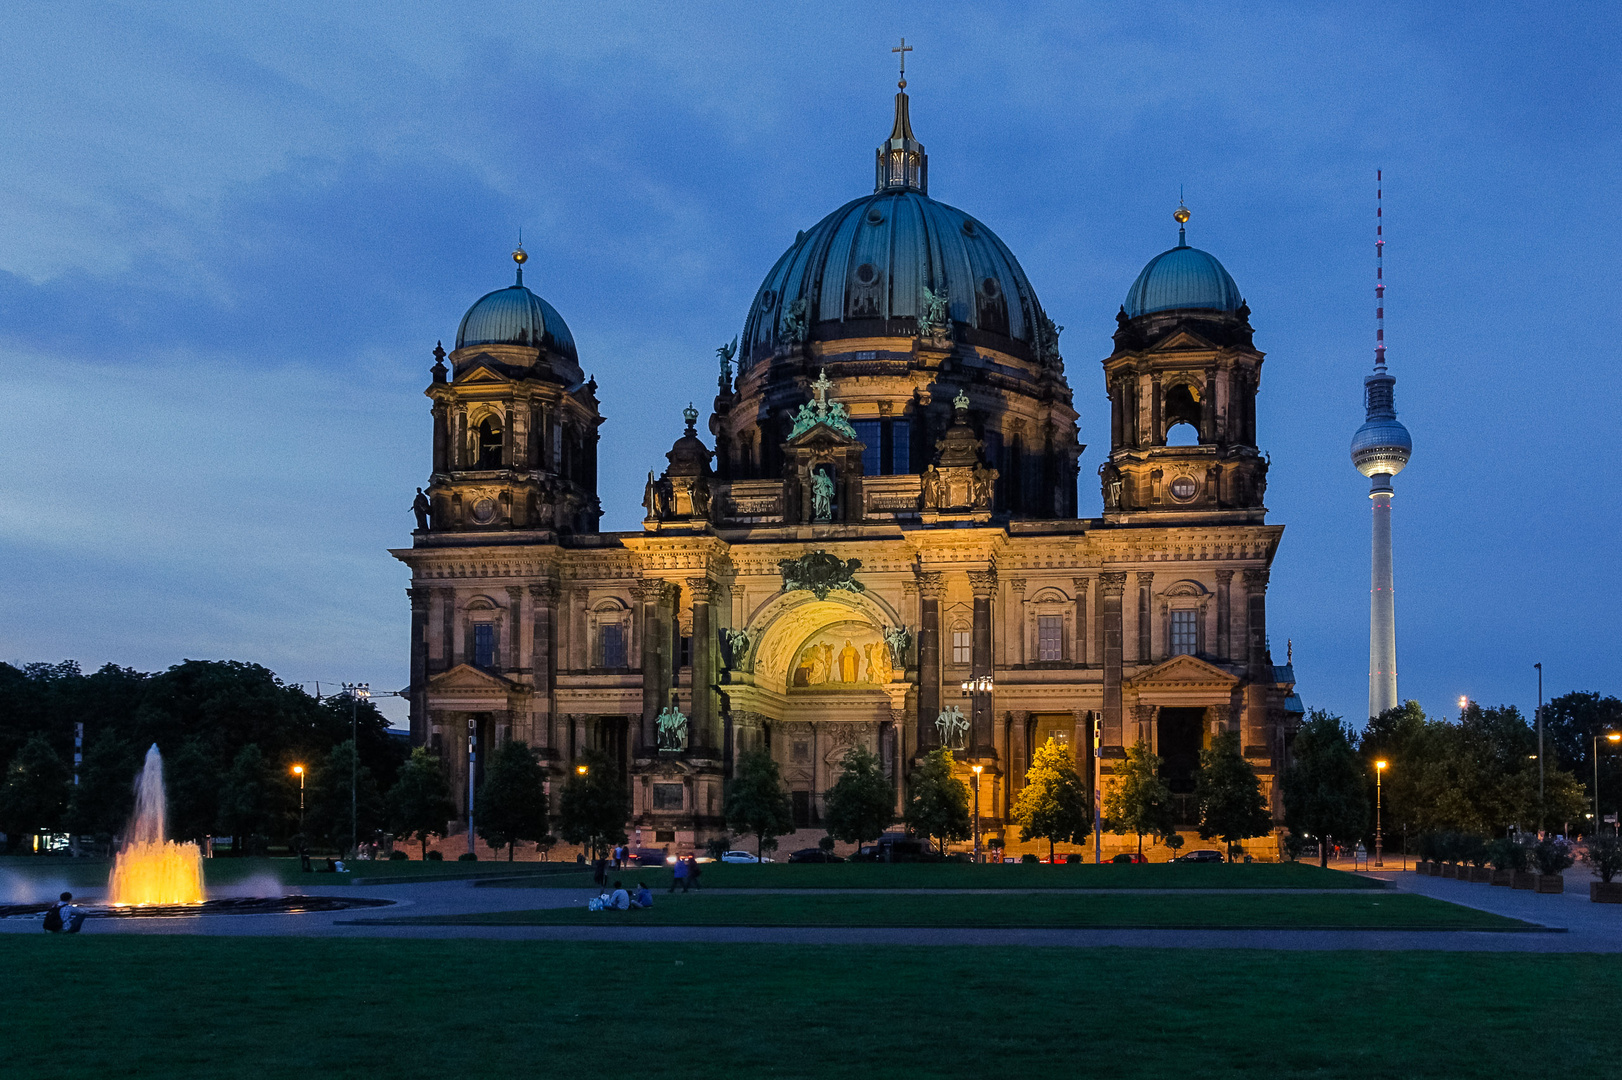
(489, 443)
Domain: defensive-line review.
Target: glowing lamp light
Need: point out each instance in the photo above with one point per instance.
(977, 769)
(1380, 764)
(581, 769)
(298, 770)
(1611, 736)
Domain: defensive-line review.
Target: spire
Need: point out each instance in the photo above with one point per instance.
(520, 256)
(902, 162)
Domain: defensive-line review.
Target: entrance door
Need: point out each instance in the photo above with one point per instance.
(1181, 735)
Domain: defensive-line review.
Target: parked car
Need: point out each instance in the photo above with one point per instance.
(648, 857)
(1203, 855)
(1129, 857)
(742, 857)
(813, 854)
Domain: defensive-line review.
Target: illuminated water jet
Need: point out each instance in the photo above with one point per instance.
(149, 868)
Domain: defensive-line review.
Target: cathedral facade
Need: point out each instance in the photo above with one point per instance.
(879, 547)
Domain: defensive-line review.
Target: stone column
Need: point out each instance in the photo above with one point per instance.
(703, 720)
(651, 592)
(442, 437)
(1224, 616)
(1019, 753)
(1146, 639)
(447, 628)
(1253, 724)
(1157, 437)
(542, 596)
(1208, 407)
(1111, 587)
(515, 611)
(419, 665)
(1081, 620)
(929, 660)
(1014, 619)
(1117, 431)
(984, 585)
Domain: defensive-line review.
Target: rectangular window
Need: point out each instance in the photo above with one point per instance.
(484, 645)
(868, 431)
(1184, 633)
(900, 447)
(613, 645)
(802, 809)
(1050, 637)
(684, 652)
(801, 750)
(667, 796)
(962, 650)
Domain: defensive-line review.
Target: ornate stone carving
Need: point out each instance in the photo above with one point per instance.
(1081, 586)
(651, 590)
(821, 573)
(702, 589)
(932, 583)
(932, 317)
(1256, 581)
(1112, 582)
(897, 639)
(983, 583)
(831, 414)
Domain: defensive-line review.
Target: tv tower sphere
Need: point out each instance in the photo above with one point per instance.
(1382, 444)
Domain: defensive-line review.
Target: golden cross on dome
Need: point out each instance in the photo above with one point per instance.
(903, 49)
(821, 386)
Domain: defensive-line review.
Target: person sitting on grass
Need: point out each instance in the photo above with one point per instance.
(64, 916)
(644, 897)
(620, 900)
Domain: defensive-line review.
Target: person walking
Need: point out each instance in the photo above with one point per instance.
(679, 875)
(692, 871)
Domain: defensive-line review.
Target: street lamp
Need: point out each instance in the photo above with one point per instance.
(298, 771)
(357, 692)
(1611, 737)
(977, 770)
(1379, 837)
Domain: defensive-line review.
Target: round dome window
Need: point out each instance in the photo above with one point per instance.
(875, 216)
(867, 274)
(989, 287)
(1183, 488)
(767, 299)
(968, 227)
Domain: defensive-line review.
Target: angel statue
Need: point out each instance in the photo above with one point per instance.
(952, 726)
(672, 729)
(932, 323)
(726, 353)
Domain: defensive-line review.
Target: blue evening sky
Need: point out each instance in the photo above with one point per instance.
(230, 236)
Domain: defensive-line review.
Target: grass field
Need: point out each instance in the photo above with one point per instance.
(177, 1007)
(1280, 911)
(968, 876)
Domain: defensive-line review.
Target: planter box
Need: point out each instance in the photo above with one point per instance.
(1503, 877)
(1422, 867)
(1603, 892)
(1436, 869)
(1551, 883)
(1481, 875)
(1523, 879)
(1450, 870)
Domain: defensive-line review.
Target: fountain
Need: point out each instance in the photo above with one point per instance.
(150, 868)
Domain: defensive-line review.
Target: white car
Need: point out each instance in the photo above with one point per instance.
(743, 857)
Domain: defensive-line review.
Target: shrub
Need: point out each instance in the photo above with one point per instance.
(398, 856)
(1507, 854)
(434, 856)
(1028, 858)
(467, 856)
(1604, 856)
(1552, 855)
(1293, 846)
(1428, 848)
(826, 843)
(717, 846)
(1473, 849)
(1073, 859)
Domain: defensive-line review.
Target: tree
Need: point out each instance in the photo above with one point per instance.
(191, 779)
(330, 799)
(105, 797)
(1139, 801)
(861, 804)
(35, 796)
(1052, 805)
(594, 805)
(420, 800)
(1570, 724)
(1228, 794)
(937, 801)
(512, 800)
(1325, 787)
(245, 810)
(756, 802)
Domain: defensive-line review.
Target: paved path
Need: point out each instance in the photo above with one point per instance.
(1581, 926)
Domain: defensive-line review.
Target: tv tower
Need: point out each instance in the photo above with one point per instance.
(1380, 449)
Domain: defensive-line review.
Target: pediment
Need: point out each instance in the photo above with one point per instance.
(1183, 671)
(466, 677)
(1183, 340)
(482, 370)
(821, 436)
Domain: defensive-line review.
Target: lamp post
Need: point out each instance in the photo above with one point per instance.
(298, 771)
(1098, 796)
(1539, 666)
(977, 770)
(581, 771)
(357, 692)
(1613, 737)
(1379, 837)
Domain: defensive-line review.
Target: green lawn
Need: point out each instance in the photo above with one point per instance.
(180, 1007)
(1384, 911)
(967, 876)
(53, 871)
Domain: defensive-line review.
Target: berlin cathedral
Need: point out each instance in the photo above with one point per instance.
(880, 545)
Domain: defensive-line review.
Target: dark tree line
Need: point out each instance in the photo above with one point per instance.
(229, 732)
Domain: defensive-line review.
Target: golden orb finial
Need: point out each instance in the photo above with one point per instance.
(520, 256)
(1182, 215)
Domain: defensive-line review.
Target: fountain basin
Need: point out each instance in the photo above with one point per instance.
(238, 905)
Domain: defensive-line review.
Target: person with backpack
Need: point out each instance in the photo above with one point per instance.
(64, 916)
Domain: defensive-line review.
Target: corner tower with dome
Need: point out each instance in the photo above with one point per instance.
(881, 546)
